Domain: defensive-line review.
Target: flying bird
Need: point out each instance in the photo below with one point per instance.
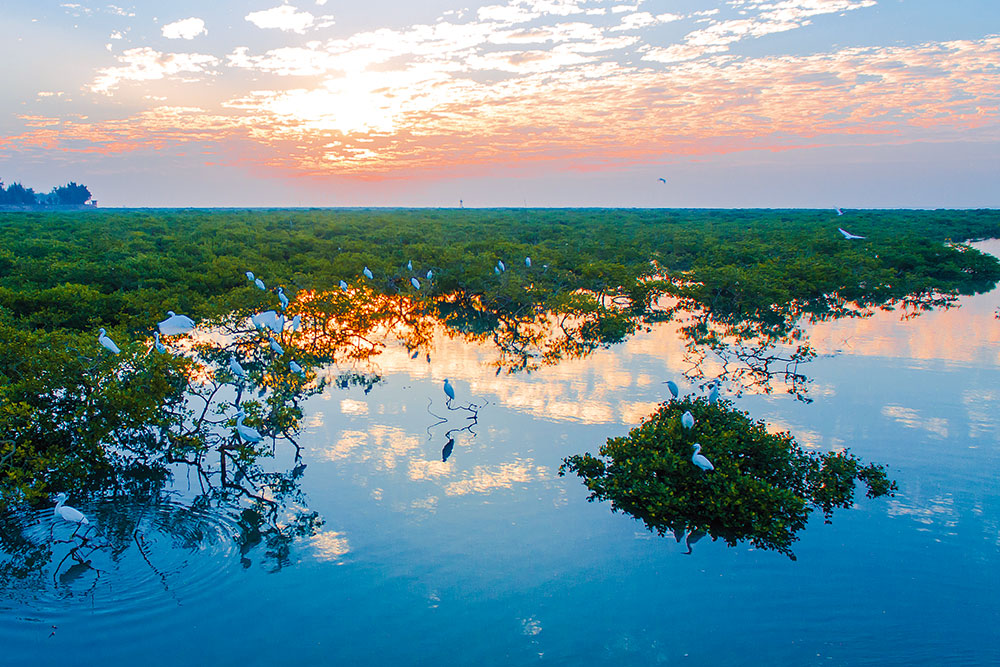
(662, 180)
(848, 235)
(175, 324)
(102, 338)
(700, 460)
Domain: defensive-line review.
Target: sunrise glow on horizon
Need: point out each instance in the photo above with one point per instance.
(855, 103)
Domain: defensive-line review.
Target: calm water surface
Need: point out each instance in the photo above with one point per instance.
(490, 558)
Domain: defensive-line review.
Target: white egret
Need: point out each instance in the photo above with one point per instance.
(295, 368)
(175, 324)
(260, 284)
(847, 235)
(501, 265)
(662, 180)
(672, 386)
(527, 262)
(275, 346)
(69, 514)
(430, 274)
(449, 390)
(248, 433)
(700, 460)
(160, 347)
(296, 322)
(496, 270)
(415, 283)
(102, 338)
(839, 212)
(282, 298)
(368, 274)
(269, 319)
(409, 265)
(235, 367)
(250, 276)
(713, 395)
(343, 285)
(687, 419)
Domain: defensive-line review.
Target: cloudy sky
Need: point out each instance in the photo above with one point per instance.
(815, 103)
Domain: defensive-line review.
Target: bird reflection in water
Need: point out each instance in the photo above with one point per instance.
(446, 452)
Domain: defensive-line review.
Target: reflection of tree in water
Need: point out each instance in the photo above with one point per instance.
(762, 489)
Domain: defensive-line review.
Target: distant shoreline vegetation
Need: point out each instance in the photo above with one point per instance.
(17, 197)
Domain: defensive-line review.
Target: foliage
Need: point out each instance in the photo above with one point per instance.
(762, 490)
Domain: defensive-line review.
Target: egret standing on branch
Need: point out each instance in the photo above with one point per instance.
(70, 514)
(102, 338)
(672, 386)
(246, 432)
(260, 285)
(275, 346)
(449, 390)
(343, 285)
(713, 395)
(368, 274)
(160, 347)
(282, 298)
(415, 283)
(236, 369)
(250, 276)
(687, 420)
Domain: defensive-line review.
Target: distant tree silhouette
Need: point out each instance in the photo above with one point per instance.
(71, 193)
(17, 194)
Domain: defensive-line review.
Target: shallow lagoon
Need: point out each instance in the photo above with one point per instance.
(491, 558)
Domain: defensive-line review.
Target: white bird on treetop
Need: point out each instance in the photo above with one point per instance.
(430, 274)
(839, 212)
(343, 285)
(70, 514)
(296, 322)
(275, 346)
(687, 420)
(248, 433)
(282, 298)
(713, 395)
(409, 265)
(672, 386)
(250, 276)
(848, 235)
(415, 283)
(700, 460)
(260, 284)
(501, 265)
(294, 367)
(368, 274)
(527, 262)
(160, 347)
(235, 367)
(102, 338)
(175, 324)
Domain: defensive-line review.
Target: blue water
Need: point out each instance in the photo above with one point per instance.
(492, 559)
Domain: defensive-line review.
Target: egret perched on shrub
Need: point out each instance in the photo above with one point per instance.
(409, 265)
(713, 395)
(415, 283)
(672, 386)
(296, 322)
(449, 390)
(501, 265)
(250, 276)
(247, 433)
(343, 285)
(102, 338)
(282, 298)
(160, 347)
(275, 346)
(368, 274)
(295, 368)
(527, 262)
(236, 369)
(430, 275)
(700, 460)
(260, 284)
(175, 324)
(687, 419)
(69, 514)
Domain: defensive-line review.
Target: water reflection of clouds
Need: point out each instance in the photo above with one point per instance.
(938, 511)
(910, 418)
(484, 479)
(982, 407)
(330, 546)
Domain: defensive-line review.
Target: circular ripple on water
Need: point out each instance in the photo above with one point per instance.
(135, 557)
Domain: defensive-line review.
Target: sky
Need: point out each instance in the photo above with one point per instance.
(732, 103)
